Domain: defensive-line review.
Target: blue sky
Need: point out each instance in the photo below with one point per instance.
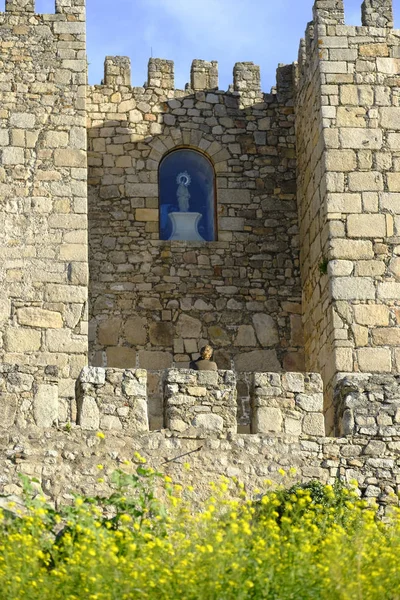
(266, 32)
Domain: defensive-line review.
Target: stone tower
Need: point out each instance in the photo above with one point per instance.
(348, 143)
(302, 272)
(43, 190)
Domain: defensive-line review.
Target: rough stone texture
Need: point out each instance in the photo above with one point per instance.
(29, 396)
(43, 188)
(368, 405)
(291, 403)
(240, 292)
(347, 123)
(333, 119)
(110, 399)
(199, 402)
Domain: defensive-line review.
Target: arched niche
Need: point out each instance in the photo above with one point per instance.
(187, 197)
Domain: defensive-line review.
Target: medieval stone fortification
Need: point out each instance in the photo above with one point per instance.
(299, 291)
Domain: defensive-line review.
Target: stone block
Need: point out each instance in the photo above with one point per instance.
(154, 360)
(310, 402)
(293, 382)
(364, 226)
(233, 196)
(22, 340)
(393, 180)
(61, 340)
(45, 406)
(22, 120)
(371, 314)
(12, 156)
(88, 414)
(365, 182)
(386, 336)
(314, 424)
(374, 360)
(134, 386)
(66, 293)
(142, 190)
(267, 420)
(109, 332)
(146, 214)
(38, 317)
(209, 422)
(134, 331)
(8, 410)
(390, 117)
(188, 327)
(343, 203)
(340, 160)
(351, 249)
(110, 422)
(121, 357)
(257, 361)
(389, 291)
(266, 330)
(343, 358)
(245, 336)
(361, 138)
(70, 157)
(352, 288)
(93, 375)
(162, 334)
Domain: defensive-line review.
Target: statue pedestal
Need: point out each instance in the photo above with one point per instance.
(184, 226)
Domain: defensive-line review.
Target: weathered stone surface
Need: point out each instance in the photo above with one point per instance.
(109, 332)
(267, 420)
(8, 410)
(245, 336)
(188, 327)
(154, 360)
(22, 340)
(209, 422)
(37, 317)
(45, 406)
(94, 375)
(134, 331)
(257, 361)
(89, 414)
(314, 424)
(266, 330)
(161, 334)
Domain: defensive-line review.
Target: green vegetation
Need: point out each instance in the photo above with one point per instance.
(308, 542)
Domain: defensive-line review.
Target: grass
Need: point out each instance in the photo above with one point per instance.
(308, 542)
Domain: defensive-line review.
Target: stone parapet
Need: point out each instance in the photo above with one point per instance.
(368, 405)
(377, 13)
(200, 401)
(112, 399)
(291, 403)
(29, 397)
(117, 71)
(161, 74)
(67, 461)
(204, 75)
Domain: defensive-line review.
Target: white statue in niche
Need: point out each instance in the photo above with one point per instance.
(183, 180)
(185, 223)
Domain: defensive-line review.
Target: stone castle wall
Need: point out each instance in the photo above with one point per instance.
(334, 122)
(350, 182)
(155, 303)
(43, 189)
(287, 414)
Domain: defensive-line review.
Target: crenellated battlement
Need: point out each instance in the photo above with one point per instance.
(377, 13)
(203, 76)
(72, 10)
